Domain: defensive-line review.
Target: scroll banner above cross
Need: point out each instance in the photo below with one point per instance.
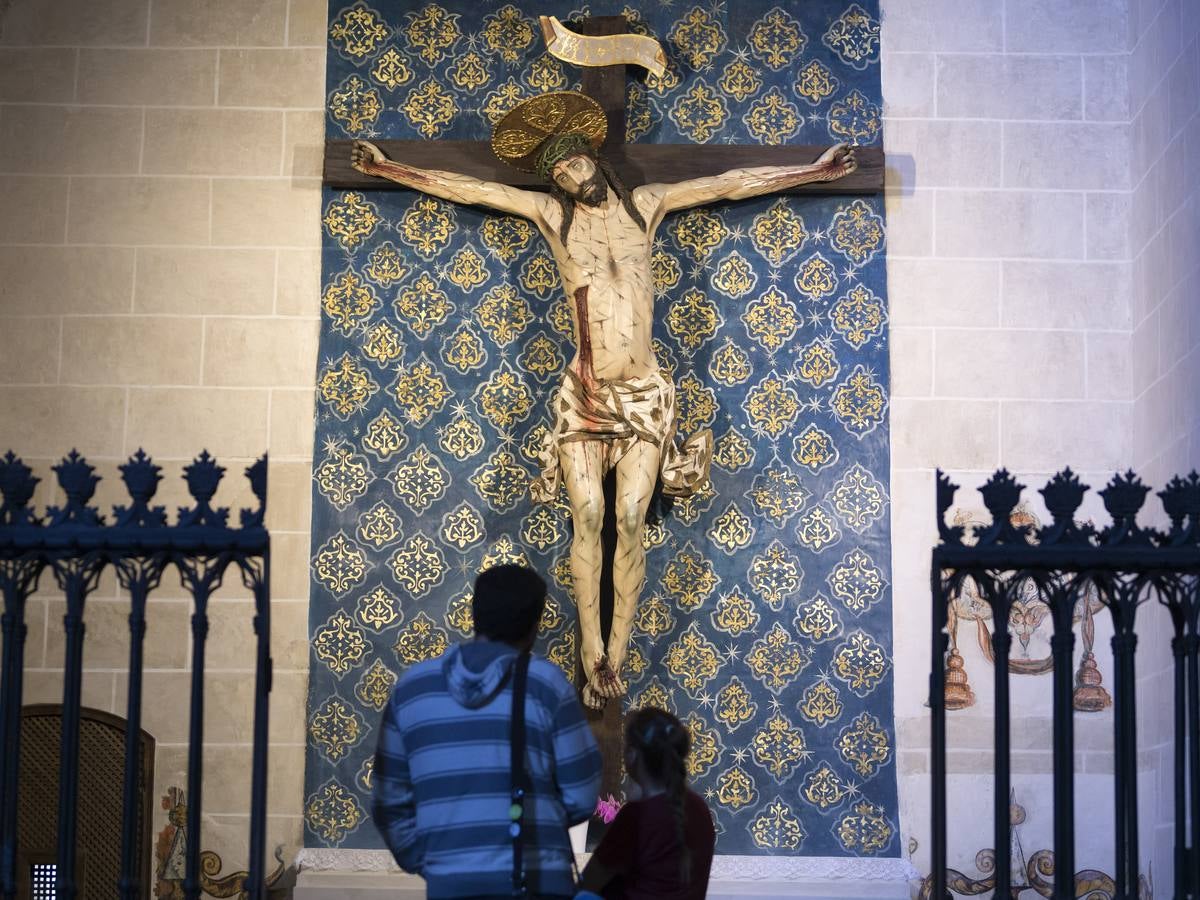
(637, 164)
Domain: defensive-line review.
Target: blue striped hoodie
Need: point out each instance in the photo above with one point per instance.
(442, 773)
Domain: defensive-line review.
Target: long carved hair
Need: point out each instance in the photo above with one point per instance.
(663, 742)
(567, 202)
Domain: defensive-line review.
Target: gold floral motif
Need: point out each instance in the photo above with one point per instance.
(772, 118)
(665, 356)
(552, 617)
(817, 529)
(733, 451)
(392, 69)
(418, 565)
(385, 266)
(661, 85)
(432, 32)
(654, 534)
(857, 232)
(689, 578)
(699, 37)
(735, 706)
(693, 660)
(348, 301)
(502, 553)
(740, 80)
(535, 439)
(340, 644)
(378, 526)
(656, 694)
(858, 316)
(539, 276)
(735, 614)
(855, 119)
(666, 272)
(731, 531)
(772, 406)
(384, 436)
(375, 686)
(854, 37)
(507, 32)
(699, 113)
(426, 226)
(735, 788)
(706, 746)
(561, 573)
(498, 102)
(777, 494)
(560, 318)
(383, 344)
(546, 74)
(730, 365)
(366, 774)
(689, 509)
(459, 615)
(777, 828)
(860, 662)
(504, 314)
(420, 480)
(561, 652)
(816, 82)
(463, 438)
(333, 812)
(470, 72)
(734, 276)
(355, 105)
(859, 402)
(422, 639)
(640, 116)
(776, 39)
(858, 499)
(775, 659)
(771, 319)
(463, 527)
(343, 476)
(818, 620)
(814, 449)
(350, 219)
(540, 358)
(463, 350)
(779, 747)
(818, 363)
(779, 233)
(357, 32)
(541, 528)
(817, 278)
(378, 609)
(775, 575)
(504, 399)
(340, 564)
(695, 405)
(654, 616)
(821, 703)
(864, 744)
(865, 830)
(429, 107)
(467, 269)
(699, 232)
(824, 788)
(421, 391)
(693, 319)
(501, 482)
(336, 727)
(857, 582)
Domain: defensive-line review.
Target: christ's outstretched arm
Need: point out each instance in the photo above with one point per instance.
(365, 157)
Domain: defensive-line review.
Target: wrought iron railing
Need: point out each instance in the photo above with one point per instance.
(76, 544)
(1123, 565)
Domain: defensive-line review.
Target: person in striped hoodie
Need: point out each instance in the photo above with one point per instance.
(443, 768)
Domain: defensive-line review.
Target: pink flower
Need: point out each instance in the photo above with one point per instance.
(607, 808)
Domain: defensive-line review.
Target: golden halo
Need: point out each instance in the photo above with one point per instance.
(519, 137)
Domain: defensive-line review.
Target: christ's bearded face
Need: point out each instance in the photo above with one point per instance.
(581, 178)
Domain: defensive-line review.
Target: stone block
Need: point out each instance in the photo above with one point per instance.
(912, 362)
(148, 77)
(203, 281)
(307, 23)
(75, 23)
(56, 280)
(298, 283)
(260, 352)
(46, 686)
(289, 496)
(1009, 87)
(973, 26)
(289, 567)
(29, 350)
(139, 211)
(1092, 295)
(289, 635)
(999, 224)
(70, 140)
(1106, 88)
(37, 74)
(212, 142)
(910, 222)
(1146, 356)
(34, 209)
(218, 23)
(1088, 156)
(947, 434)
(177, 423)
(1109, 366)
(1005, 363)
(941, 292)
(292, 424)
(304, 144)
(948, 153)
(1072, 26)
(131, 350)
(279, 78)
(266, 213)
(1107, 222)
(106, 643)
(1045, 436)
(48, 421)
(227, 776)
(907, 80)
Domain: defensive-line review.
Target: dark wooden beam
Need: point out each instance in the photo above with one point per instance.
(637, 164)
(606, 84)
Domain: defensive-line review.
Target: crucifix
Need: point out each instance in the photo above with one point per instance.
(614, 412)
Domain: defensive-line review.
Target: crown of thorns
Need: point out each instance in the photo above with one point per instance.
(558, 148)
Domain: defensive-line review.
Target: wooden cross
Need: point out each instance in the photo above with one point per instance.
(637, 164)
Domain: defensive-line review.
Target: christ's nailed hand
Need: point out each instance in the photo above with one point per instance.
(839, 161)
(363, 155)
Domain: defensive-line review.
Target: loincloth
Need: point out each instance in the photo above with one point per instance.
(622, 412)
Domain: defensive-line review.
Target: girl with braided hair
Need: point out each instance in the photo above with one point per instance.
(660, 845)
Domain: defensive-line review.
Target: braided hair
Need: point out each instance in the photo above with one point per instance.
(663, 742)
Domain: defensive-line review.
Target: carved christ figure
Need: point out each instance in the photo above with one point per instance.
(615, 407)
